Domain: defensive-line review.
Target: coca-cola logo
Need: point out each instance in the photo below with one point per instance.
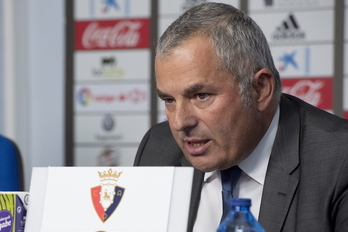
(307, 90)
(317, 92)
(115, 34)
(123, 34)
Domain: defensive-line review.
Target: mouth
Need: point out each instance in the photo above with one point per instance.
(196, 144)
(197, 147)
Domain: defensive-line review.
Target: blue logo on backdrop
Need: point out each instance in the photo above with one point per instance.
(109, 7)
(110, 4)
(290, 60)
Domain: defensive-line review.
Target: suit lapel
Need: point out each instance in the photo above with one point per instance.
(282, 173)
(197, 182)
(198, 177)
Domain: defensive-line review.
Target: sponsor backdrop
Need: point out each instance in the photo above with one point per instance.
(111, 100)
(302, 52)
(113, 103)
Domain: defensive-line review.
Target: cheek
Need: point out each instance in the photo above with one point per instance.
(176, 136)
(231, 126)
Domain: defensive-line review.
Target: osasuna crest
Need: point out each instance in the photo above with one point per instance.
(107, 195)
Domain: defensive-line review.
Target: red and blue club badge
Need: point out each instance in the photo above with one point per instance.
(107, 196)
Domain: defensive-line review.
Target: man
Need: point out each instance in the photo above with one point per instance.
(11, 167)
(222, 92)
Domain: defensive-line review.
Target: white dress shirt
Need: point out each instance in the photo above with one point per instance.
(250, 184)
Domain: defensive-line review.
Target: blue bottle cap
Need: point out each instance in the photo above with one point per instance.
(240, 202)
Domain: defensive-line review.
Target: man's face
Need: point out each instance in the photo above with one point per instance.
(203, 107)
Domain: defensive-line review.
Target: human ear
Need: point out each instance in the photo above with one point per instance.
(263, 85)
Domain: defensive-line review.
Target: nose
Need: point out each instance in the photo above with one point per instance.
(183, 117)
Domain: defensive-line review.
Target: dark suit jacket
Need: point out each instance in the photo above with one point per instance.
(306, 185)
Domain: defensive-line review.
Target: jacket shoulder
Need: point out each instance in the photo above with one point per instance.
(159, 148)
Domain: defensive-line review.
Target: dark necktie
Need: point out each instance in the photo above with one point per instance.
(229, 179)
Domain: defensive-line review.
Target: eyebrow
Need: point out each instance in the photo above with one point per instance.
(162, 94)
(190, 90)
(194, 88)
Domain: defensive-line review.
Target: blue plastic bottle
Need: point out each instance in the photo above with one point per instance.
(240, 219)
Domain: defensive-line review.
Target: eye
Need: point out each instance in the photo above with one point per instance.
(168, 100)
(201, 96)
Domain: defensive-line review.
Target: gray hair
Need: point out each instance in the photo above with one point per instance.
(240, 45)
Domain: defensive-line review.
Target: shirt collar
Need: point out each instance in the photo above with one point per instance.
(255, 165)
(209, 176)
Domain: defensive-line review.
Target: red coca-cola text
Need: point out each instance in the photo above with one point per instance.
(316, 91)
(115, 34)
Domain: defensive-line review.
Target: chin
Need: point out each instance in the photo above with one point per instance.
(203, 167)
(201, 163)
